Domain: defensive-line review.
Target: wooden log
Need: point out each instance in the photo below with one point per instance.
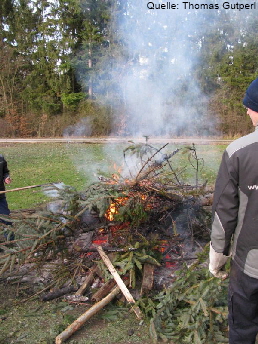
(119, 281)
(57, 293)
(85, 316)
(103, 291)
(88, 280)
(107, 249)
(148, 278)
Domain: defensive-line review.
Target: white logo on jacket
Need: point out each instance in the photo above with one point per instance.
(252, 187)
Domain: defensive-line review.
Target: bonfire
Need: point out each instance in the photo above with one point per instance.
(129, 232)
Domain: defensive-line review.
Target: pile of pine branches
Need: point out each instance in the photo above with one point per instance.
(149, 187)
(193, 310)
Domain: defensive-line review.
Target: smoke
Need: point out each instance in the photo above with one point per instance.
(160, 92)
(53, 190)
(158, 84)
(81, 128)
(152, 84)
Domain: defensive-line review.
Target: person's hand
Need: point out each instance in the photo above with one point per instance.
(217, 261)
(8, 180)
(219, 274)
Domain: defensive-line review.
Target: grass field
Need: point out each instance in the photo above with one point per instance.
(78, 165)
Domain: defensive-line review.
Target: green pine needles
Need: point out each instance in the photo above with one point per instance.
(193, 310)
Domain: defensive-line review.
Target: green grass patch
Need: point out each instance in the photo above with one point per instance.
(78, 165)
(37, 322)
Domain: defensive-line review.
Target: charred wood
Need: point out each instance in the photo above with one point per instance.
(181, 259)
(88, 280)
(108, 249)
(103, 291)
(57, 293)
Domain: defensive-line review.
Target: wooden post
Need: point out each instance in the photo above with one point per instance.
(119, 281)
(148, 278)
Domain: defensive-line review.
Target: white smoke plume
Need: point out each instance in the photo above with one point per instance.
(159, 89)
(81, 128)
(160, 93)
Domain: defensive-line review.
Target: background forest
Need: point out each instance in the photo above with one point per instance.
(112, 67)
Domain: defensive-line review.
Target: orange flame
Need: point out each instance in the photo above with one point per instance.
(118, 202)
(110, 213)
(114, 207)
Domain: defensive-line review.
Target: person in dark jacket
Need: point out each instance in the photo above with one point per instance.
(4, 209)
(235, 227)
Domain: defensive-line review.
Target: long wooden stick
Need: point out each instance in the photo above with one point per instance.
(119, 281)
(27, 187)
(87, 315)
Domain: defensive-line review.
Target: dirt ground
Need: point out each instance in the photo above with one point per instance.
(32, 321)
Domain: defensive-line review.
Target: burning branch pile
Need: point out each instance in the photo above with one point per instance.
(145, 217)
(152, 193)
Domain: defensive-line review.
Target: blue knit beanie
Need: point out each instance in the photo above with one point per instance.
(251, 97)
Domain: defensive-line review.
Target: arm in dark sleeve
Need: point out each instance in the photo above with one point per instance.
(225, 206)
(5, 169)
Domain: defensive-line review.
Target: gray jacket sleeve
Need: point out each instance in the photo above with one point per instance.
(225, 205)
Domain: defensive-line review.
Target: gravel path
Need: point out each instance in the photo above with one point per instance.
(110, 139)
